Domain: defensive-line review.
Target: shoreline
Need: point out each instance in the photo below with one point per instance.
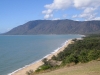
(37, 64)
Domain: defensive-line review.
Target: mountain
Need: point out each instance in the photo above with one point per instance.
(56, 27)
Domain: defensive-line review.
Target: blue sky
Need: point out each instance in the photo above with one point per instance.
(17, 12)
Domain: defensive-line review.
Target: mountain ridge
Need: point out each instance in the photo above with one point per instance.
(56, 27)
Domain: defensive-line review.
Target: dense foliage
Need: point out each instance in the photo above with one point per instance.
(82, 51)
(45, 66)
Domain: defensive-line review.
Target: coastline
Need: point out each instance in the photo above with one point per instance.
(35, 65)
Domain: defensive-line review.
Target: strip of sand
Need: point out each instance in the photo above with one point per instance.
(39, 63)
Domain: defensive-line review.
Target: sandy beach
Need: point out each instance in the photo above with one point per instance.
(39, 63)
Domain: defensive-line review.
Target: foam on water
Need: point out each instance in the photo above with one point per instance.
(62, 45)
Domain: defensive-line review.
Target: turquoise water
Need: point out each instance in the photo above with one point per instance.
(18, 51)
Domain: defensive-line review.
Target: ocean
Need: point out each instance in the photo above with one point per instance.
(17, 51)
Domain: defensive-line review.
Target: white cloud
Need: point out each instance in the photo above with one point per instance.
(86, 3)
(97, 18)
(49, 11)
(88, 8)
(59, 4)
(88, 13)
(56, 5)
(48, 16)
(87, 16)
(56, 19)
(81, 3)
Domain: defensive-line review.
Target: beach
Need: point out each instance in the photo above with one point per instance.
(36, 65)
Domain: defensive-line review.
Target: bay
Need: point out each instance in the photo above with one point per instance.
(16, 51)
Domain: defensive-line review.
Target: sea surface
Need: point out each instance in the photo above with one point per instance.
(17, 51)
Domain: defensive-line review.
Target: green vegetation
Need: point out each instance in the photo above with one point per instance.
(48, 64)
(90, 68)
(82, 51)
(45, 66)
(30, 72)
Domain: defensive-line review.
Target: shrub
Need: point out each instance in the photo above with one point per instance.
(71, 58)
(83, 56)
(30, 72)
(93, 54)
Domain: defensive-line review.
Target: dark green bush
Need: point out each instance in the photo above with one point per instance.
(80, 51)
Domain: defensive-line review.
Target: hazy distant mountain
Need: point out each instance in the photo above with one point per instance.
(56, 27)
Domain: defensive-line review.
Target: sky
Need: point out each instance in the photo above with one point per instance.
(17, 12)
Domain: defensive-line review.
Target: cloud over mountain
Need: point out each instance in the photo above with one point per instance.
(88, 8)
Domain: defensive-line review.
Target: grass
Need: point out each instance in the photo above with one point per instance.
(82, 53)
(90, 68)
